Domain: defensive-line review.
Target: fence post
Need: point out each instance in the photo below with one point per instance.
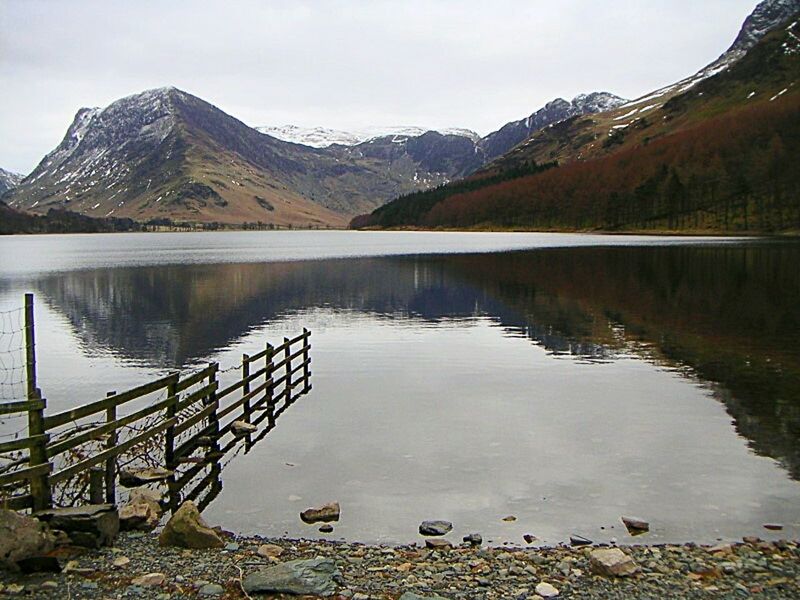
(213, 419)
(96, 476)
(246, 386)
(40, 485)
(287, 384)
(169, 434)
(269, 361)
(169, 445)
(306, 360)
(111, 462)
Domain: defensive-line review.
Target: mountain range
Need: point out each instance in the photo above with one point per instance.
(322, 137)
(713, 152)
(165, 155)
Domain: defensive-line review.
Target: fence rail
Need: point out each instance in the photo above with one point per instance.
(187, 428)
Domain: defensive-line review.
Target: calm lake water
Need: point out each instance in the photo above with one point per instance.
(563, 379)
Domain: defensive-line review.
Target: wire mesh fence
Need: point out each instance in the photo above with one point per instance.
(13, 355)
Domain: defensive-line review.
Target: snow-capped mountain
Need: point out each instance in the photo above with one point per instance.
(322, 137)
(504, 139)
(764, 18)
(164, 153)
(8, 180)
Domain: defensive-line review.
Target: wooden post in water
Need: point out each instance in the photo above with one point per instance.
(40, 484)
(287, 384)
(111, 462)
(169, 445)
(213, 419)
(246, 386)
(270, 391)
(306, 360)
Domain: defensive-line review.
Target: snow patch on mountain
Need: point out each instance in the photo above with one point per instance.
(322, 137)
(8, 180)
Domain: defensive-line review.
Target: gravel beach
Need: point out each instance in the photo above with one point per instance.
(136, 567)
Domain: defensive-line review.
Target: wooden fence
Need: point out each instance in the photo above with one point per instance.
(182, 424)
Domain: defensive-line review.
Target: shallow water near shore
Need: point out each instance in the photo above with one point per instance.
(562, 379)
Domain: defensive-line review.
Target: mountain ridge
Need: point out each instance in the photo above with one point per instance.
(8, 180)
(712, 152)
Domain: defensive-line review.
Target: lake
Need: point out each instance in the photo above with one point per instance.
(562, 379)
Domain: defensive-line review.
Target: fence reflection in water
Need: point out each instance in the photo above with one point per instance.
(179, 429)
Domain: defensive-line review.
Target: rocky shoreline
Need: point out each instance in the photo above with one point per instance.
(135, 566)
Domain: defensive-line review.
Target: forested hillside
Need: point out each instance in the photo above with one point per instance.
(721, 157)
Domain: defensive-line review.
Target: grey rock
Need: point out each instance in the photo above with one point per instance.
(578, 540)
(635, 525)
(90, 526)
(138, 516)
(433, 528)
(139, 477)
(239, 428)
(413, 596)
(313, 577)
(186, 529)
(612, 562)
(211, 589)
(474, 539)
(22, 537)
(325, 513)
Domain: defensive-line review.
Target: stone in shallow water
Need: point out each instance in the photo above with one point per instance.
(474, 539)
(612, 562)
(635, 525)
(243, 428)
(413, 596)
(579, 540)
(138, 477)
(435, 527)
(773, 526)
(312, 577)
(325, 513)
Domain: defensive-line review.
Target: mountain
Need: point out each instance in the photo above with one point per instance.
(167, 154)
(322, 137)
(713, 152)
(8, 180)
(504, 139)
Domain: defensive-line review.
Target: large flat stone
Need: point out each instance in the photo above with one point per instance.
(299, 577)
(90, 526)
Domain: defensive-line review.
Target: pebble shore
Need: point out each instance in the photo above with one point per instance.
(136, 567)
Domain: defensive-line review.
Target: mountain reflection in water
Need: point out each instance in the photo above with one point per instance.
(727, 314)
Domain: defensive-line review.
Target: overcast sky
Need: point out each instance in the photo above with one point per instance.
(343, 64)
